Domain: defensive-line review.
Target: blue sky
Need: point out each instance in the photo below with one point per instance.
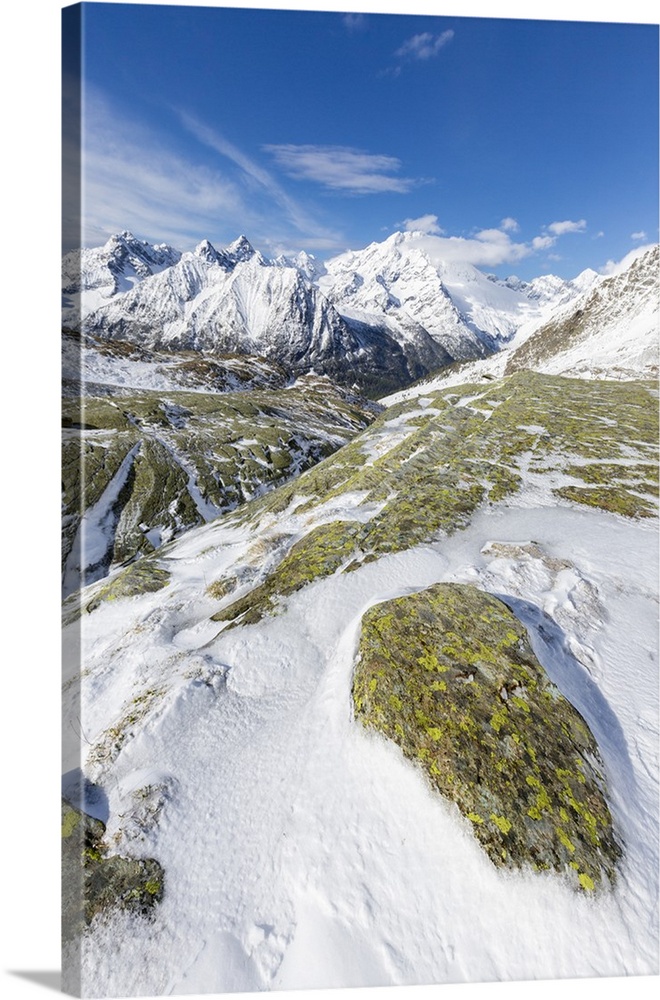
(529, 146)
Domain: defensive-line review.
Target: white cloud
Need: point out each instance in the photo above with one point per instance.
(561, 228)
(617, 266)
(641, 235)
(484, 249)
(542, 242)
(424, 45)
(510, 225)
(493, 236)
(341, 168)
(424, 224)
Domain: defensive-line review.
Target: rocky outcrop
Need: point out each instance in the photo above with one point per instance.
(448, 674)
(93, 882)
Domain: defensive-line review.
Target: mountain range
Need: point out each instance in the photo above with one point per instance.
(377, 318)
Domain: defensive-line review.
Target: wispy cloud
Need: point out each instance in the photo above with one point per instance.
(256, 174)
(131, 180)
(424, 46)
(423, 224)
(135, 180)
(509, 225)
(561, 228)
(354, 22)
(641, 235)
(341, 168)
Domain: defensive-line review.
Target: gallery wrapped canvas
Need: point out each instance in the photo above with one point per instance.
(360, 499)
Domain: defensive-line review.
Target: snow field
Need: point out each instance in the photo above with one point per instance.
(300, 850)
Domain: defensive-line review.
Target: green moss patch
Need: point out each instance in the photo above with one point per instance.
(141, 577)
(448, 674)
(320, 553)
(457, 457)
(615, 499)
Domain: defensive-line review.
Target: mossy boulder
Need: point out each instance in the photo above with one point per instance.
(449, 675)
(93, 882)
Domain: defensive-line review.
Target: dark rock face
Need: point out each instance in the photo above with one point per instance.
(449, 675)
(92, 883)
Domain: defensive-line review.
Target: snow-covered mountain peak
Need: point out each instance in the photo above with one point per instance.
(309, 265)
(92, 276)
(304, 262)
(206, 251)
(585, 279)
(241, 249)
(125, 248)
(408, 278)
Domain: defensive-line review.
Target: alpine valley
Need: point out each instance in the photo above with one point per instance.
(360, 621)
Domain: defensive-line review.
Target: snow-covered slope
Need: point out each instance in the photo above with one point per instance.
(405, 283)
(92, 366)
(300, 849)
(610, 330)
